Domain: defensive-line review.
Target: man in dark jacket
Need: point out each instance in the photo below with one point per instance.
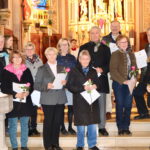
(111, 38)
(140, 90)
(100, 58)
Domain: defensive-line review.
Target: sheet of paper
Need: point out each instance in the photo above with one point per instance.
(58, 79)
(90, 97)
(35, 96)
(17, 88)
(141, 58)
(113, 47)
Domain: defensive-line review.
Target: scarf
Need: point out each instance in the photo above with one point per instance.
(85, 70)
(33, 60)
(6, 57)
(18, 72)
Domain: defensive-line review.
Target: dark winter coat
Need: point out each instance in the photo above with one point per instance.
(19, 109)
(84, 114)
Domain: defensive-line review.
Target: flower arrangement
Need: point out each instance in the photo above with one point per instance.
(89, 83)
(66, 70)
(26, 88)
(105, 43)
(133, 72)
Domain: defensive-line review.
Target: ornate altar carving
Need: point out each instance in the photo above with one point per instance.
(83, 14)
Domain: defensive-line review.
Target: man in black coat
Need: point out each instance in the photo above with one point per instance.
(140, 90)
(111, 38)
(100, 58)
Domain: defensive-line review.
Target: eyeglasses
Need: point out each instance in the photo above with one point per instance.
(16, 57)
(123, 42)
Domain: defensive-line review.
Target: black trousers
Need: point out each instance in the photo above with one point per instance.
(51, 126)
(33, 118)
(70, 117)
(139, 92)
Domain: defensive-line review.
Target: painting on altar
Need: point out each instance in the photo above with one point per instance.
(31, 5)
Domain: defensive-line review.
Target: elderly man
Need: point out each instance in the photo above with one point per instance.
(100, 58)
(111, 38)
(140, 90)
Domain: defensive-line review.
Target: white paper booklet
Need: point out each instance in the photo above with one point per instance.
(35, 96)
(17, 88)
(113, 47)
(141, 58)
(58, 79)
(90, 97)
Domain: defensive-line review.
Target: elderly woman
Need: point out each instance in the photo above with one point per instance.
(68, 61)
(52, 100)
(33, 62)
(17, 73)
(85, 115)
(120, 66)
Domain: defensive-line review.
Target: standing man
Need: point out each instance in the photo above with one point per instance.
(140, 90)
(111, 38)
(100, 58)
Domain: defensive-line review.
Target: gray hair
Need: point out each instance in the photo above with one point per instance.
(95, 27)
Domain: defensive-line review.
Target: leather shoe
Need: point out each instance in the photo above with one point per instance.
(79, 148)
(120, 132)
(103, 132)
(142, 116)
(127, 132)
(94, 148)
(24, 148)
(55, 147)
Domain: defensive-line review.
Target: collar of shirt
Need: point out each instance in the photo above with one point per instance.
(53, 68)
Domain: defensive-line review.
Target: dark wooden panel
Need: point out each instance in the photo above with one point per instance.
(143, 40)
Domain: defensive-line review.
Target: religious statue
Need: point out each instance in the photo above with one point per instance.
(100, 6)
(111, 9)
(118, 8)
(83, 10)
(26, 10)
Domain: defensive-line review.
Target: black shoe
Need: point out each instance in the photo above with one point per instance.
(64, 132)
(24, 148)
(120, 132)
(94, 148)
(142, 116)
(127, 132)
(71, 131)
(103, 132)
(50, 148)
(79, 148)
(15, 149)
(33, 132)
(57, 148)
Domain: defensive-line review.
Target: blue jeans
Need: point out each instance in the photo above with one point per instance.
(91, 136)
(12, 124)
(123, 105)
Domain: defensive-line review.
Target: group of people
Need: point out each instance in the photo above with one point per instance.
(92, 63)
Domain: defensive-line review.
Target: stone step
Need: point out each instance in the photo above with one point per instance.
(111, 126)
(138, 139)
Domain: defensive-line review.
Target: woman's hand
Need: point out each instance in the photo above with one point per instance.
(99, 70)
(20, 95)
(26, 94)
(126, 82)
(50, 86)
(87, 87)
(93, 87)
(63, 82)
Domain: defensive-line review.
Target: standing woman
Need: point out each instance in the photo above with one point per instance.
(120, 66)
(68, 61)
(8, 46)
(85, 115)
(52, 100)
(33, 62)
(17, 72)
